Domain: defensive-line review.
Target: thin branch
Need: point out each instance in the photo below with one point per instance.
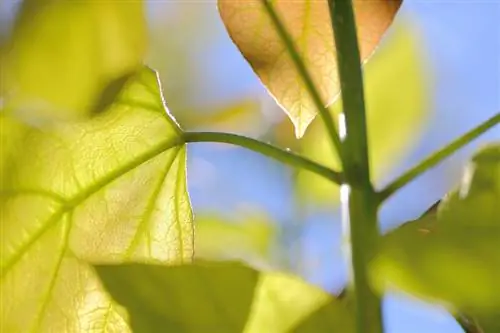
(271, 151)
(437, 157)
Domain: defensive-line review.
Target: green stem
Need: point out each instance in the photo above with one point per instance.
(304, 74)
(279, 154)
(437, 157)
(469, 325)
(360, 204)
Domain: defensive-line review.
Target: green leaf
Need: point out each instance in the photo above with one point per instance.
(109, 189)
(394, 81)
(249, 239)
(479, 324)
(308, 23)
(489, 324)
(225, 297)
(67, 59)
(453, 256)
(476, 202)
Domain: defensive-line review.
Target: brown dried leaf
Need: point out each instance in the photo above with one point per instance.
(308, 23)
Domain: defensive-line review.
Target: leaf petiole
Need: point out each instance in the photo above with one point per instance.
(266, 149)
(437, 157)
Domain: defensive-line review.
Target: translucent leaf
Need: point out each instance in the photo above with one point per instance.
(67, 59)
(308, 22)
(221, 297)
(109, 189)
(395, 82)
(452, 256)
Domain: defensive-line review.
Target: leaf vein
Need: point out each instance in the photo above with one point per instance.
(78, 199)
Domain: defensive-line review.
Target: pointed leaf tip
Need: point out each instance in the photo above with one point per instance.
(308, 24)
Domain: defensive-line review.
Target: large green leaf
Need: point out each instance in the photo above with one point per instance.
(109, 189)
(224, 297)
(68, 58)
(452, 256)
(396, 106)
(309, 25)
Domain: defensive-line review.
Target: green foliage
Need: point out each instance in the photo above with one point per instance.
(67, 59)
(489, 323)
(452, 256)
(109, 189)
(96, 223)
(221, 297)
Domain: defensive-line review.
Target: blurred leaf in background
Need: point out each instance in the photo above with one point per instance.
(239, 117)
(181, 60)
(109, 189)
(173, 55)
(250, 238)
(453, 256)
(396, 101)
(222, 297)
(68, 59)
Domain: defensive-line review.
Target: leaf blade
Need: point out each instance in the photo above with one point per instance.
(218, 296)
(121, 178)
(452, 256)
(309, 25)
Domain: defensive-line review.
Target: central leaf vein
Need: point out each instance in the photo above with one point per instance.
(92, 189)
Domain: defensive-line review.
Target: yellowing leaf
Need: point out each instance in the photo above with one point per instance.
(308, 23)
(396, 107)
(453, 256)
(67, 59)
(224, 297)
(109, 189)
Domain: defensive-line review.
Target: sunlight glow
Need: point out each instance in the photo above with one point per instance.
(342, 127)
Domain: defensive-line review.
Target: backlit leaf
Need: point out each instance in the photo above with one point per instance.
(453, 256)
(67, 59)
(109, 189)
(308, 23)
(396, 106)
(223, 297)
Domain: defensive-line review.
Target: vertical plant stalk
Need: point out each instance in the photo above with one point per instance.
(360, 200)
